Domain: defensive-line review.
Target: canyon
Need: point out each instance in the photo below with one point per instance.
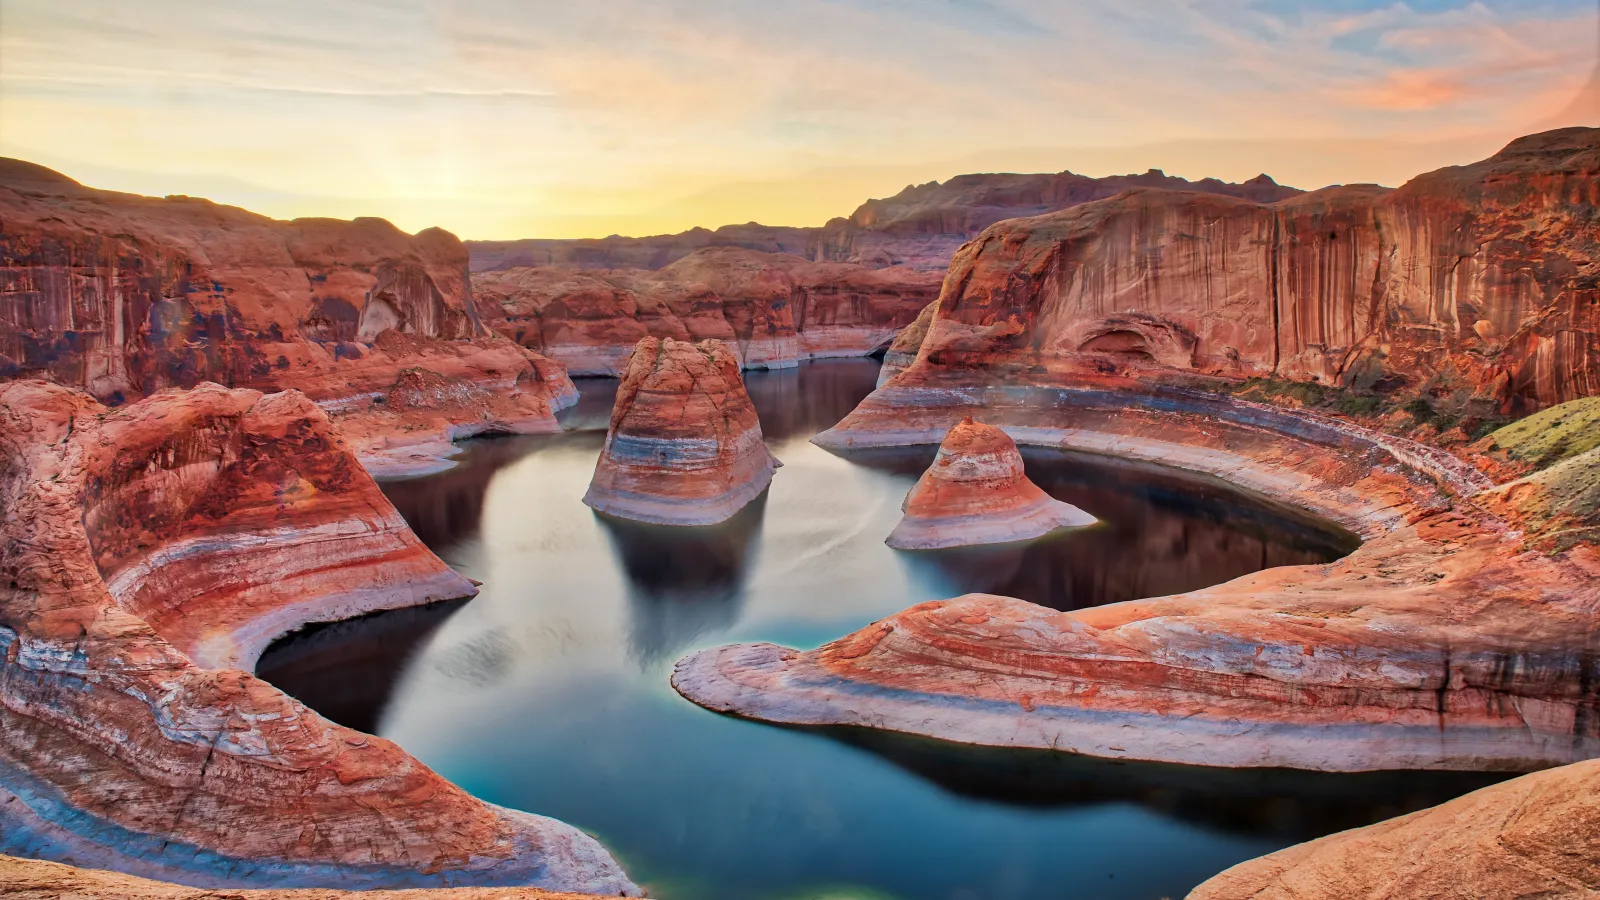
(976, 492)
(684, 445)
(194, 401)
(124, 296)
(1459, 635)
(149, 554)
(773, 310)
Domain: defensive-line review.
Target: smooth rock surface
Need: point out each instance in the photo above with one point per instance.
(147, 556)
(1446, 641)
(976, 492)
(684, 446)
(1534, 836)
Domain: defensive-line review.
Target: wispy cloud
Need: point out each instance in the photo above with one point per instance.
(491, 115)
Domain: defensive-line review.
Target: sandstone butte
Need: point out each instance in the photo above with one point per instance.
(1460, 635)
(684, 445)
(148, 554)
(773, 309)
(976, 492)
(122, 296)
(920, 227)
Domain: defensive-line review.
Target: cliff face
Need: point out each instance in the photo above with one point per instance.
(772, 309)
(920, 227)
(122, 296)
(148, 554)
(684, 446)
(1475, 282)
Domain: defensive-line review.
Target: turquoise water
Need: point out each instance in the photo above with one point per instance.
(548, 692)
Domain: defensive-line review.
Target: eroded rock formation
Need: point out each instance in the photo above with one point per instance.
(684, 446)
(1460, 635)
(772, 309)
(1473, 285)
(1534, 836)
(122, 296)
(147, 556)
(976, 492)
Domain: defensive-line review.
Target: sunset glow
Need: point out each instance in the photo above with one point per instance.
(506, 119)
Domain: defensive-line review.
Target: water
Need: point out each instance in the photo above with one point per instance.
(548, 692)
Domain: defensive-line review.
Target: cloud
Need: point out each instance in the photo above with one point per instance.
(606, 116)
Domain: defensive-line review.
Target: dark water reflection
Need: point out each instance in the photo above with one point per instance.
(548, 692)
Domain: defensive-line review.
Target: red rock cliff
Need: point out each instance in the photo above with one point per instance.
(772, 309)
(1474, 282)
(122, 296)
(147, 555)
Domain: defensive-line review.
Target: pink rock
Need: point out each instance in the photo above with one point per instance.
(684, 446)
(976, 492)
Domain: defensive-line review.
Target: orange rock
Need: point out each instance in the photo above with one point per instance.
(1534, 836)
(1443, 642)
(684, 446)
(976, 492)
(123, 296)
(1338, 286)
(148, 554)
(773, 309)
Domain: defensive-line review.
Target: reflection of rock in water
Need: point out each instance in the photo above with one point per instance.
(1160, 533)
(802, 401)
(683, 582)
(445, 508)
(592, 412)
(1283, 803)
(347, 670)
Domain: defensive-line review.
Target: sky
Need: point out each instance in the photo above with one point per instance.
(582, 118)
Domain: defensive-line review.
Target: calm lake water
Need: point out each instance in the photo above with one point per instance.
(548, 692)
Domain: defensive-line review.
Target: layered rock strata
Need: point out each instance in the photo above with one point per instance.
(31, 879)
(976, 492)
(1460, 635)
(774, 310)
(148, 554)
(919, 227)
(123, 296)
(1471, 290)
(1534, 836)
(684, 446)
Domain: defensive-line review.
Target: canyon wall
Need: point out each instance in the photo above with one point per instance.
(919, 227)
(123, 295)
(1475, 283)
(772, 309)
(147, 556)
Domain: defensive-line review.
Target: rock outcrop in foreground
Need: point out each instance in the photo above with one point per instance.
(684, 446)
(123, 296)
(976, 492)
(1460, 635)
(773, 310)
(147, 556)
(31, 879)
(1534, 836)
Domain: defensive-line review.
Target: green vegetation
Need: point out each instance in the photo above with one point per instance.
(1548, 437)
